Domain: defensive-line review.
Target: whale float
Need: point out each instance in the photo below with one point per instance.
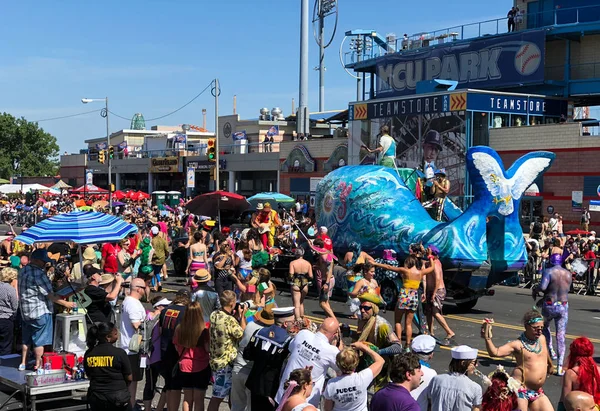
(373, 206)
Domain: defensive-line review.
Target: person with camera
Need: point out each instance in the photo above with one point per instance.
(226, 330)
(440, 189)
(317, 350)
(36, 300)
(348, 392)
(99, 308)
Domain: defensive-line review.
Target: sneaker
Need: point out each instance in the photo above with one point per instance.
(553, 354)
(21, 367)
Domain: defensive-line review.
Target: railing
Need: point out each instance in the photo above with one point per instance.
(557, 17)
(265, 147)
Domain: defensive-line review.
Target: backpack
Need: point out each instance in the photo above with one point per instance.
(537, 227)
(147, 328)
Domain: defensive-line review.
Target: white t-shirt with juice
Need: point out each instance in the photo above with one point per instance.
(349, 392)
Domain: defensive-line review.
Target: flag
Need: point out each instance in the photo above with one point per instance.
(122, 146)
(273, 131)
(180, 138)
(101, 146)
(240, 135)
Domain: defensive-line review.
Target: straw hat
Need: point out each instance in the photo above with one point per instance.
(107, 279)
(89, 254)
(265, 316)
(202, 276)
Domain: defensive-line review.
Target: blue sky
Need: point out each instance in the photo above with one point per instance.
(153, 56)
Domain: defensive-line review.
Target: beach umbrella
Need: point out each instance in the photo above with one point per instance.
(119, 195)
(79, 227)
(211, 204)
(99, 204)
(276, 200)
(577, 231)
(86, 208)
(118, 204)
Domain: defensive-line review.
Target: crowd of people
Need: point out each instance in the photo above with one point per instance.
(227, 330)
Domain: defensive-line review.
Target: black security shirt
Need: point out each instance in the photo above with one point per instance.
(106, 367)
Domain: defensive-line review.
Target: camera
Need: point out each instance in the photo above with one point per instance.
(239, 307)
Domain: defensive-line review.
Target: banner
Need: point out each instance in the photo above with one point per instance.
(101, 146)
(594, 205)
(483, 64)
(191, 177)
(180, 138)
(273, 131)
(240, 135)
(89, 177)
(577, 200)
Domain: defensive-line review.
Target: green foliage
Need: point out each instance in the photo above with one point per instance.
(25, 143)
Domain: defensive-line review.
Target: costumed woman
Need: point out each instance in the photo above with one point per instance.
(364, 284)
(583, 374)
(197, 259)
(387, 148)
(300, 276)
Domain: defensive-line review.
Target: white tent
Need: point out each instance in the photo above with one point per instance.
(15, 188)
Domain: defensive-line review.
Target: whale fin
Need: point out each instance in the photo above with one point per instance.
(505, 186)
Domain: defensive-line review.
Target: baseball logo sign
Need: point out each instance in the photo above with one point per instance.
(528, 59)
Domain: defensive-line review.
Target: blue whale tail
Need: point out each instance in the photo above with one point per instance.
(497, 194)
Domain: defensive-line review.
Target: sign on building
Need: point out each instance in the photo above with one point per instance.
(577, 200)
(164, 165)
(191, 177)
(89, 177)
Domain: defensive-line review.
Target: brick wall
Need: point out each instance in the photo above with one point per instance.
(567, 135)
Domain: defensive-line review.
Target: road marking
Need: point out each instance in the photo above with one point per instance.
(481, 353)
(596, 318)
(509, 326)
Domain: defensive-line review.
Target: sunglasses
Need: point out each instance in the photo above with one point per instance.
(366, 307)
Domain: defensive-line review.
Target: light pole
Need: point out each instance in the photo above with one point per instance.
(216, 91)
(104, 113)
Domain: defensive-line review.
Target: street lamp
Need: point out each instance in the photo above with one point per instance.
(104, 113)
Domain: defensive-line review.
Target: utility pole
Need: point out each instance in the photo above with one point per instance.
(302, 120)
(216, 93)
(321, 58)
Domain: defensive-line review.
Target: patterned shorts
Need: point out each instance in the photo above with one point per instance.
(408, 299)
(222, 384)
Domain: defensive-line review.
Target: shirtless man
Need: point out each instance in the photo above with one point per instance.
(532, 358)
(555, 284)
(435, 295)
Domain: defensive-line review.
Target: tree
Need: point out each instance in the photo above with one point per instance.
(26, 149)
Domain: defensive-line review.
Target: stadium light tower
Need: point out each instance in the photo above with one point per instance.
(321, 10)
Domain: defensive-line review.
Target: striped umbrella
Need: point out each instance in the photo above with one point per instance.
(275, 199)
(79, 227)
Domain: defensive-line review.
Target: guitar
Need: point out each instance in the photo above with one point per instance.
(264, 228)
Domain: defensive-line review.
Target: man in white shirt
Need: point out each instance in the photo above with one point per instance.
(313, 350)
(423, 346)
(132, 317)
(553, 223)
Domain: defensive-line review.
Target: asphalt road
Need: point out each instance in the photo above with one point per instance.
(506, 307)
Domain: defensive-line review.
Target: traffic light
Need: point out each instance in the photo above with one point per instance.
(112, 188)
(101, 156)
(213, 172)
(111, 152)
(211, 151)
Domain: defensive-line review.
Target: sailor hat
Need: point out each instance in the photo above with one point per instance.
(423, 344)
(464, 352)
(283, 312)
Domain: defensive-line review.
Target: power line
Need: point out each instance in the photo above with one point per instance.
(68, 116)
(172, 112)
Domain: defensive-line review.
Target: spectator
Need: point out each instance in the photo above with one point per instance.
(204, 294)
(582, 374)
(89, 257)
(317, 350)
(224, 262)
(240, 395)
(191, 341)
(423, 347)
(348, 392)
(9, 303)
(267, 349)
(108, 369)
(455, 391)
(153, 367)
(132, 317)
(99, 309)
(170, 318)
(501, 395)
(225, 334)
(585, 219)
(109, 263)
(579, 401)
(405, 376)
(512, 13)
(298, 388)
(36, 302)
(159, 256)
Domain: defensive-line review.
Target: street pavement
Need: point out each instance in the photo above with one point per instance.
(506, 307)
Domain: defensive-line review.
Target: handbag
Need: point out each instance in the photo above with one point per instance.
(136, 342)
(175, 369)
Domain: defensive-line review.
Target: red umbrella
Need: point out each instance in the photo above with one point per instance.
(130, 194)
(119, 195)
(139, 196)
(209, 204)
(577, 231)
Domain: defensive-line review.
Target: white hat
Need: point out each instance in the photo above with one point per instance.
(164, 301)
(464, 352)
(154, 230)
(423, 344)
(259, 206)
(323, 229)
(282, 312)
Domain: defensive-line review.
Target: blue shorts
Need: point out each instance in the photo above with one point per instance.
(38, 332)
(222, 384)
